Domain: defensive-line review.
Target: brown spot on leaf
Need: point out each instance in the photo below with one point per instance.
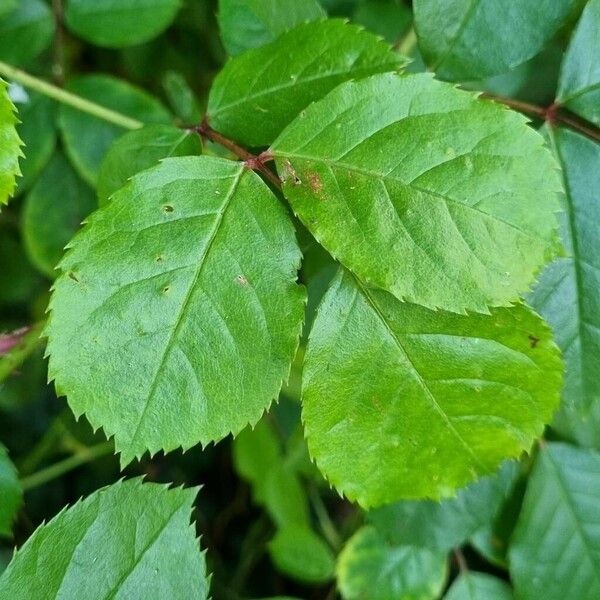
(316, 184)
(290, 173)
(168, 208)
(533, 340)
(73, 276)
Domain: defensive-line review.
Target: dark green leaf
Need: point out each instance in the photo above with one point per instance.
(249, 24)
(128, 540)
(88, 138)
(388, 18)
(120, 23)
(568, 293)
(423, 190)
(579, 86)
(471, 39)
(300, 67)
(555, 552)
(401, 402)
(370, 568)
(11, 495)
(139, 150)
(177, 315)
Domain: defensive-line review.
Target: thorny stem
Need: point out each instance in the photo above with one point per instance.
(52, 91)
(252, 161)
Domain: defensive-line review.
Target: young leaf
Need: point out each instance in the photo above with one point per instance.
(579, 85)
(247, 24)
(128, 540)
(26, 31)
(472, 39)
(177, 315)
(478, 586)
(53, 212)
(368, 567)
(568, 292)
(300, 67)
(401, 402)
(300, 553)
(87, 138)
(423, 190)
(555, 552)
(10, 146)
(120, 23)
(449, 523)
(139, 150)
(11, 494)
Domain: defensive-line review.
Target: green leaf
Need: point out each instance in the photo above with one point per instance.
(87, 138)
(400, 402)
(478, 586)
(438, 197)
(568, 292)
(177, 315)
(128, 540)
(300, 67)
(249, 24)
(26, 31)
(139, 150)
(53, 211)
(18, 279)
(120, 23)
(7, 6)
(301, 554)
(471, 39)
(10, 146)
(181, 97)
(449, 523)
(388, 18)
(579, 84)
(370, 568)
(26, 340)
(38, 132)
(11, 494)
(555, 552)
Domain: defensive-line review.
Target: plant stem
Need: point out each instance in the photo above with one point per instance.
(325, 522)
(16, 347)
(460, 560)
(64, 97)
(64, 466)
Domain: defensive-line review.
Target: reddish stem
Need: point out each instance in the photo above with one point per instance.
(9, 340)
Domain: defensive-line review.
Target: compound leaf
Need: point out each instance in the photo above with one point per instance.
(401, 402)
(478, 586)
(568, 293)
(177, 315)
(300, 67)
(472, 39)
(369, 567)
(555, 551)
(249, 24)
(120, 23)
(11, 494)
(440, 198)
(10, 146)
(139, 150)
(579, 84)
(128, 540)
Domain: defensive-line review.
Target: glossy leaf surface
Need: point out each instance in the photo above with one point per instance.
(459, 219)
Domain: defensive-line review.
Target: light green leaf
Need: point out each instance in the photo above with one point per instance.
(128, 540)
(579, 84)
(301, 554)
(300, 67)
(370, 568)
(7, 6)
(177, 315)
(449, 523)
(568, 293)
(471, 39)
(400, 402)
(249, 24)
(478, 586)
(555, 551)
(26, 31)
(38, 132)
(139, 150)
(10, 146)
(11, 494)
(120, 23)
(87, 138)
(442, 199)
(53, 212)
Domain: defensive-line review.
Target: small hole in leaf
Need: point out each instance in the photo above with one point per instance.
(159, 258)
(166, 289)
(168, 208)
